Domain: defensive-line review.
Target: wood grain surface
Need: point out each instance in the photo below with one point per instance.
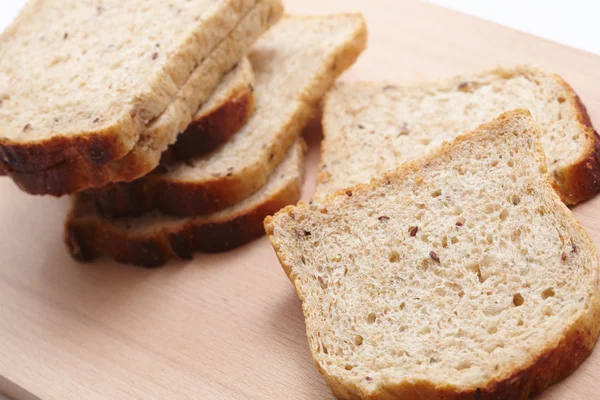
(227, 326)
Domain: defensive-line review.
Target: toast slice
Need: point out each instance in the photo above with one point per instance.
(145, 156)
(294, 64)
(460, 275)
(152, 239)
(223, 114)
(382, 125)
(68, 94)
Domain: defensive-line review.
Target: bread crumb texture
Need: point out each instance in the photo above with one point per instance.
(384, 124)
(460, 275)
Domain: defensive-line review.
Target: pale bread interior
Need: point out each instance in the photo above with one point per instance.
(370, 128)
(455, 271)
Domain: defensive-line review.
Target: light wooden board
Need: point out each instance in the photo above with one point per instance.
(226, 326)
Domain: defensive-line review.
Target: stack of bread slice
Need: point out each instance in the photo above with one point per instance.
(98, 95)
(213, 190)
(175, 126)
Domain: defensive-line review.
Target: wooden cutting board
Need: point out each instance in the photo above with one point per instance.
(227, 326)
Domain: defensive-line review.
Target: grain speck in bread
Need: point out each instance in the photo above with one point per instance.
(152, 239)
(81, 175)
(294, 64)
(382, 125)
(88, 84)
(460, 275)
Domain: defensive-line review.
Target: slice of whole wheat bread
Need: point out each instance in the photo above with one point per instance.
(460, 275)
(68, 92)
(223, 114)
(370, 128)
(294, 64)
(145, 156)
(152, 239)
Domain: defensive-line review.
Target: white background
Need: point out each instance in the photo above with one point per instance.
(574, 23)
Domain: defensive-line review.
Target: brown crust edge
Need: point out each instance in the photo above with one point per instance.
(66, 178)
(97, 148)
(202, 136)
(91, 238)
(184, 198)
(580, 181)
(556, 363)
(549, 367)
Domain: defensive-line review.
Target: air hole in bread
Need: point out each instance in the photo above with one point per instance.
(437, 193)
(371, 318)
(358, 340)
(548, 293)
(515, 199)
(561, 99)
(515, 235)
(463, 365)
(503, 215)
(348, 367)
(444, 242)
(394, 256)
(518, 300)
(489, 208)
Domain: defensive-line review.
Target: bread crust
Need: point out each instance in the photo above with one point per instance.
(75, 176)
(581, 181)
(96, 148)
(202, 136)
(559, 358)
(558, 361)
(89, 236)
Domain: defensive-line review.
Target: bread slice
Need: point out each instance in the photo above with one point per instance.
(68, 93)
(224, 113)
(152, 239)
(461, 275)
(294, 64)
(145, 156)
(370, 128)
